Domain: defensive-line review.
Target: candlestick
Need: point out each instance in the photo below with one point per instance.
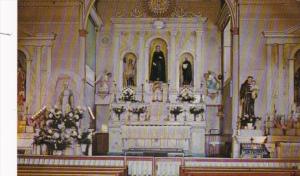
(168, 96)
(115, 92)
(142, 93)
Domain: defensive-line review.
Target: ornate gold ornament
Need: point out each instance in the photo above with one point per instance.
(159, 8)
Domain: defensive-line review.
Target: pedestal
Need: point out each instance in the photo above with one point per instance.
(197, 146)
(115, 141)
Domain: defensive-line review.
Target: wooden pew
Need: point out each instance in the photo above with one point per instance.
(216, 171)
(51, 170)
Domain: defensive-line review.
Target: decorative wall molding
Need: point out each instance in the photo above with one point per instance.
(47, 3)
(146, 24)
(39, 39)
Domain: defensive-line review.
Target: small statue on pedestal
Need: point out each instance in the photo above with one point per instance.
(157, 92)
(248, 94)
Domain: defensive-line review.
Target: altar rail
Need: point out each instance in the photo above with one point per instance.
(49, 170)
(158, 166)
(235, 171)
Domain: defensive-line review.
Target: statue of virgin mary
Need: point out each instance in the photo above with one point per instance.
(66, 99)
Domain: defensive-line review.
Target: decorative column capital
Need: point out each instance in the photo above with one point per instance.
(82, 32)
(235, 31)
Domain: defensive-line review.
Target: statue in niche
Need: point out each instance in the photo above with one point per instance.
(21, 84)
(66, 99)
(248, 94)
(129, 70)
(187, 73)
(158, 71)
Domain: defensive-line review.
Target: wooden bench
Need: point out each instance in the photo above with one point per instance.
(50, 170)
(217, 171)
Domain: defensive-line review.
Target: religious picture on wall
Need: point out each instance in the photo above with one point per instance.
(186, 70)
(129, 74)
(248, 94)
(158, 64)
(213, 84)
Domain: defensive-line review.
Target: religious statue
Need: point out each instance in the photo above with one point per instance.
(157, 90)
(21, 86)
(158, 71)
(248, 94)
(66, 99)
(187, 72)
(129, 72)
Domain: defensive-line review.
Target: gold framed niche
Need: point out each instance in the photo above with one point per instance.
(190, 58)
(129, 70)
(164, 48)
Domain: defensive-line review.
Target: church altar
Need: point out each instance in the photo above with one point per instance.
(160, 74)
(157, 128)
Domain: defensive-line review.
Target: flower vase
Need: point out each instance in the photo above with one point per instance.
(69, 151)
(77, 150)
(37, 149)
(57, 152)
(43, 149)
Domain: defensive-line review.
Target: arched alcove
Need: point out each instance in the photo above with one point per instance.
(21, 83)
(186, 69)
(129, 70)
(158, 52)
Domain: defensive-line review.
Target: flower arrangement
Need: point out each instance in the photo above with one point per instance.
(127, 95)
(119, 111)
(196, 110)
(186, 96)
(176, 111)
(138, 111)
(58, 130)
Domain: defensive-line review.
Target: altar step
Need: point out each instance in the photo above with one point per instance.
(25, 138)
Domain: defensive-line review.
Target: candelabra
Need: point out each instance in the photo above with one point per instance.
(168, 94)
